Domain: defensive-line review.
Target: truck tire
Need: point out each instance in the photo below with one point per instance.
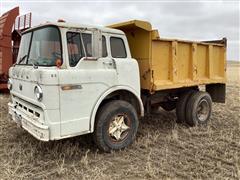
(116, 126)
(168, 106)
(199, 109)
(181, 106)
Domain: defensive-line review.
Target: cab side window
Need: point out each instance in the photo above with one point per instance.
(118, 49)
(87, 40)
(75, 50)
(75, 47)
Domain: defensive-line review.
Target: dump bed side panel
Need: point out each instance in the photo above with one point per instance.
(162, 64)
(202, 62)
(218, 60)
(182, 63)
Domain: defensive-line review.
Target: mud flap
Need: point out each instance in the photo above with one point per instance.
(217, 92)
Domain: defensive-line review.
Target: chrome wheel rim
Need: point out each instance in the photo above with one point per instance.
(118, 128)
(203, 110)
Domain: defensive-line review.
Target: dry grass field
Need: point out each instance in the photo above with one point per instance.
(163, 149)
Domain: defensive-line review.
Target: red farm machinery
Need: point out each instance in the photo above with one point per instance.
(11, 27)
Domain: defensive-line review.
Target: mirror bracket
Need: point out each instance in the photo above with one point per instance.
(97, 43)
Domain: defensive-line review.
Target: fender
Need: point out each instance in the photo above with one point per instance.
(105, 94)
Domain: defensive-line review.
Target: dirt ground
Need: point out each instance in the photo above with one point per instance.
(163, 149)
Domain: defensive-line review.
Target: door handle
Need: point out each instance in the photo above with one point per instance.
(112, 64)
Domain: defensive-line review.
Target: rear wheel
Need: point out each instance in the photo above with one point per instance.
(116, 126)
(181, 106)
(199, 109)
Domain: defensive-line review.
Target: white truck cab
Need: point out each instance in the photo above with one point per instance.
(71, 80)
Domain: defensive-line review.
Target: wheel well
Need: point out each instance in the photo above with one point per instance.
(125, 96)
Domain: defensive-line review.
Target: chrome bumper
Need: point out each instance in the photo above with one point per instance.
(35, 128)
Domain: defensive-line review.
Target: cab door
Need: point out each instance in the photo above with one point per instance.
(83, 82)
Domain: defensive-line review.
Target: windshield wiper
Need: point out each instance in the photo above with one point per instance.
(22, 58)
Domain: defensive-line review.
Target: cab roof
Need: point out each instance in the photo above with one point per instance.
(72, 25)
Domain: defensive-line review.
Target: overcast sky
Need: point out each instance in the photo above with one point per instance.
(195, 20)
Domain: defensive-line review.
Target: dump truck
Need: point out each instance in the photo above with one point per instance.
(71, 80)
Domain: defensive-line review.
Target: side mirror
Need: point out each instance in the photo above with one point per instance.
(58, 62)
(97, 44)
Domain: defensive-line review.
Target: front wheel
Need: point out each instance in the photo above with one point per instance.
(116, 125)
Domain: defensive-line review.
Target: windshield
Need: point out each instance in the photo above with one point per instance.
(45, 47)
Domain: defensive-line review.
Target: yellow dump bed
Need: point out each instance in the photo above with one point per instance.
(171, 63)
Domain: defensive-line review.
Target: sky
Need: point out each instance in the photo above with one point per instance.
(190, 20)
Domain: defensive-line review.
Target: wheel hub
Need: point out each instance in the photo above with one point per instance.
(203, 110)
(118, 127)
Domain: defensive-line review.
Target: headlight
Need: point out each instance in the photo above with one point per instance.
(9, 84)
(38, 92)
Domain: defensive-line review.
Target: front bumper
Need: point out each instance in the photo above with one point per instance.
(29, 123)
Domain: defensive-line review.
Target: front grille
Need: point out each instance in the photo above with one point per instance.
(28, 108)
